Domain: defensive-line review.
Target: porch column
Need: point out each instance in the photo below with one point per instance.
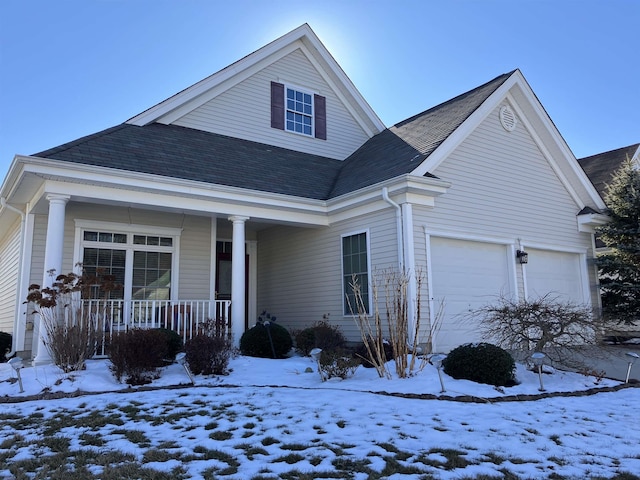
(238, 294)
(52, 262)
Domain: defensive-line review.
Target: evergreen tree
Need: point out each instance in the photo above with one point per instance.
(620, 267)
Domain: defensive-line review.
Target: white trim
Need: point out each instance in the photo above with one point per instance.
(128, 228)
(367, 233)
(213, 260)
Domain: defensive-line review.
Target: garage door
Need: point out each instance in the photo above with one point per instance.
(556, 273)
(465, 275)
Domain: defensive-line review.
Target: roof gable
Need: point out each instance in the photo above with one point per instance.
(302, 38)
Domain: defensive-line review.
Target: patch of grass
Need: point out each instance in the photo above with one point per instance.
(220, 435)
(89, 439)
(13, 441)
(134, 436)
(556, 439)
(455, 458)
(266, 441)
(319, 430)
(341, 423)
(56, 443)
(298, 475)
(393, 466)
(211, 426)
(352, 466)
(290, 458)
(249, 425)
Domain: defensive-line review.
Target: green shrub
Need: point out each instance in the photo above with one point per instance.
(362, 353)
(5, 345)
(337, 362)
(266, 340)
(137, 354)
(174, 342)
(482, 363)
(208, 355)
(321, 335)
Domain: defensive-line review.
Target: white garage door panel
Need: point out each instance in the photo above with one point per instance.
(556, 273)
(465, 275)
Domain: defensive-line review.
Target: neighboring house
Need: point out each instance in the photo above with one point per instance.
(271, 182)
(600, 168)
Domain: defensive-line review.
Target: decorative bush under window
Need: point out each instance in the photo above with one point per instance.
(267, 339)
(208, 355)
(138, 355)
(321, 335)
(482, 363)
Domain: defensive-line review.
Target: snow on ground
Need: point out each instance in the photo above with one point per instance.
(277, 416)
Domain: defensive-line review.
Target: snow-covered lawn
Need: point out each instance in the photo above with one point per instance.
(275, 419)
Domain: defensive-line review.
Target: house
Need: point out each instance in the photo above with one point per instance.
(601, 167)
(270, 183)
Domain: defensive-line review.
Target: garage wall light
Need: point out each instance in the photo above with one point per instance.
(522, 256)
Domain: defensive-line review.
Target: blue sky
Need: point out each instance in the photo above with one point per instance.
(69, 68)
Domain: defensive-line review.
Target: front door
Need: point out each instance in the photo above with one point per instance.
(223, 277)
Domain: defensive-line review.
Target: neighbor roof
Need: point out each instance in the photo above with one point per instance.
(191, 154)
(600, 168)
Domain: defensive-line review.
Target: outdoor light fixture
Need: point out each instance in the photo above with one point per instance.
(632, 359)
(522, 256)
(538, 360)
(16, 364)
(436, 361)
(181, 359)
(315, 354)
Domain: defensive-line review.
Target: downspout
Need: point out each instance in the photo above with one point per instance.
(399, 230)
(23, 216)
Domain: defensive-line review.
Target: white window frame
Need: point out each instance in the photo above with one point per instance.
(295, 88)
(130, 230)
(345, 306)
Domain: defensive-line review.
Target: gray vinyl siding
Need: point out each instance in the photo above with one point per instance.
(502, 187)
(9, 268)
(300, 270)
(244, 111)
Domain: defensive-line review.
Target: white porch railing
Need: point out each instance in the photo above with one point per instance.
(183, 316)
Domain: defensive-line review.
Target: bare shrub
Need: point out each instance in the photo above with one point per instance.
(403, 332)
(138, 354)
(544, 324)
(71, 333)
(209, 354)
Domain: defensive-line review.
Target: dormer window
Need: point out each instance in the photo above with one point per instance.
(295, 110)
(299, 111)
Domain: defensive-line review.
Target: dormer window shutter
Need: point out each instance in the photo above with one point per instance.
(277, 105)
(320, 120)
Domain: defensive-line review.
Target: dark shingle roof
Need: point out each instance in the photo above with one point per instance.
(601, 167)
(401, 148)
(185, 153)
(190, 154)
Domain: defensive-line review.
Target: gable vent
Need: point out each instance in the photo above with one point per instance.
(508, 118)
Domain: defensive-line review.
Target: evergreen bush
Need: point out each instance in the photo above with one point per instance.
(174, 343)
(137, 355)
(321, 335)
(482, 363)
(5, 345)
(266, 340)
(208, 355)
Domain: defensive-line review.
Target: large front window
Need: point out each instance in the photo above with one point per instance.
(141, 264)
(355, 270)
